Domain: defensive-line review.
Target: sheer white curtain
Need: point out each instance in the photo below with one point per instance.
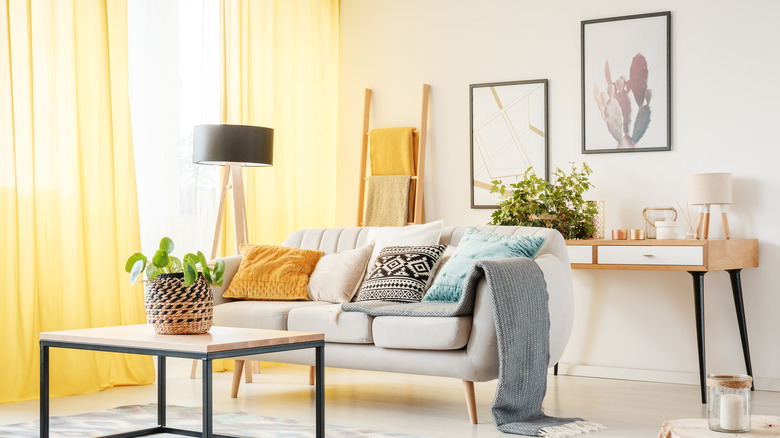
(174, 82)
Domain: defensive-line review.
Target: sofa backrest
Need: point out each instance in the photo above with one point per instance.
(331, 240)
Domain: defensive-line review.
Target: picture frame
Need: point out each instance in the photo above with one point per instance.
(509, 135)
(626, 84)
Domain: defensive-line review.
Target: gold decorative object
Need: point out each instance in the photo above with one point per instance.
(656, 214)
(636, 234)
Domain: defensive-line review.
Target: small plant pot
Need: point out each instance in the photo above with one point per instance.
(173, 309)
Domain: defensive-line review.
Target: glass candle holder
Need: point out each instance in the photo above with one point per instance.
(728, 406)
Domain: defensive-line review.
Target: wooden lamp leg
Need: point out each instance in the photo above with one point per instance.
(699, 222)
(215, 245)
(706, 226)
(725, 219)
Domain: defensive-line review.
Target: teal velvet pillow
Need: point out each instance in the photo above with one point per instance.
(476, 245)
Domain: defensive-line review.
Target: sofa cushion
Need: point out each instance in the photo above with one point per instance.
(401, 273)
(349, 328)
(269, 272)
(476, 245)
(337, 277)
(410, 235)
(421, 333)
(271, 315)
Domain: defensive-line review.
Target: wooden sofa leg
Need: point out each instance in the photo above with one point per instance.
(471, 400)
(194, 368)
(237, 371)
(312, 371)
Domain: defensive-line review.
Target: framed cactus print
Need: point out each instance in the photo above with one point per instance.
(626, 84)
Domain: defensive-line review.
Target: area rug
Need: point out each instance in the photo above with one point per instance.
(127, 418)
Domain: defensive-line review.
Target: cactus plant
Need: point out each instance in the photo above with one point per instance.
(615, 104)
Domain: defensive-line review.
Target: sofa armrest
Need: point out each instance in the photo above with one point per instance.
(483, 345)
(482, 348)
(231, 266)
(557, 275)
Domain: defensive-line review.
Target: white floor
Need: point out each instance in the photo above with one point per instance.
(415, 405)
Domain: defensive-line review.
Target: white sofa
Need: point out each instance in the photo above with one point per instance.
(462, 347)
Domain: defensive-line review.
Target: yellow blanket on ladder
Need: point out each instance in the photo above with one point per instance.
(392, 151)
(387, 200)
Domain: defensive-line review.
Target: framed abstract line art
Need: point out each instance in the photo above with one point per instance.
(508, 135)
(626, 84)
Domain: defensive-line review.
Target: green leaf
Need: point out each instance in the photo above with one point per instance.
(136, 270)
(190, 274)
(202, 259)
(166, 244)
(160, 259)
(130, 264)
(207, 275)
(175, 264)
(191, 259)
(219, 268)
(152, 272)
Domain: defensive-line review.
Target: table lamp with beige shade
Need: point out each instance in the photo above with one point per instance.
(709, 189)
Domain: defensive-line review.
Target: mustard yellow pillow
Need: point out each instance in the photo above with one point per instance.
(269, 272)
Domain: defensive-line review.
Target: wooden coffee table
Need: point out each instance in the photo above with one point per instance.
(218, 343)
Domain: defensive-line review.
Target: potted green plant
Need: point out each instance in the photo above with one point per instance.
(177, 297)
(535, 202)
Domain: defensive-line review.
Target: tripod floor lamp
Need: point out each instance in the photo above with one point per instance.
(233, 146)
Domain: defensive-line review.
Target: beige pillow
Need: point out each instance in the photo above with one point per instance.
(337, 277)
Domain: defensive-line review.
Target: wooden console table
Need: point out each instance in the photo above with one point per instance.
(697, 257)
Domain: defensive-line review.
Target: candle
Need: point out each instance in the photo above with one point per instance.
(732, 407)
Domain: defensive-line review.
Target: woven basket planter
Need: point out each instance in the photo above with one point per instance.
(173, 309)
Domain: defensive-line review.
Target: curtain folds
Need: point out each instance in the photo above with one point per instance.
(280, 61)
(68, 207)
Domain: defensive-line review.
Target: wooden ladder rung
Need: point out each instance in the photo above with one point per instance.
(413, 130)
(365, 178)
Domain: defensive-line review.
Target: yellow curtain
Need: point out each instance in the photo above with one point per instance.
(68, 207)
(280, 61)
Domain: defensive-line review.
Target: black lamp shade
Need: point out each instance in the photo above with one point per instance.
(223, 144)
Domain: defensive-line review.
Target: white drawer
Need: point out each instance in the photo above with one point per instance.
(651, 255)
(580, 254)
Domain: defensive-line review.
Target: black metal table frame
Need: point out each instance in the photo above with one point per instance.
(206, 359)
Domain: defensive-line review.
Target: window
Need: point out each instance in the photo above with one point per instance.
(174, 71)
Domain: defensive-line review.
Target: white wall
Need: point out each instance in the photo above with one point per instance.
(725, 107)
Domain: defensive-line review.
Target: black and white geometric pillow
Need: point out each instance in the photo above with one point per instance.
(401, 273)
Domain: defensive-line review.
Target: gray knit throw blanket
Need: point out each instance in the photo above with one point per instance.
(519, 296)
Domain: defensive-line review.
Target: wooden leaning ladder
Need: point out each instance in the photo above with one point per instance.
(417, 179)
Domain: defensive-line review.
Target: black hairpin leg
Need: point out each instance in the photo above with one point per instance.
(698, 302)
(736, 289)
